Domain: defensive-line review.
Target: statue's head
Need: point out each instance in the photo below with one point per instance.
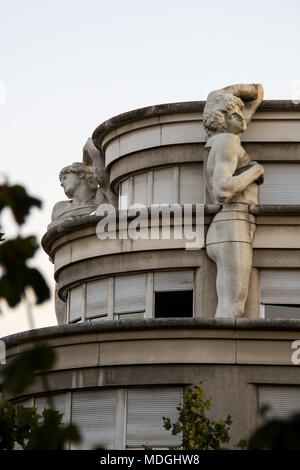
(72, 176)
(222, 113)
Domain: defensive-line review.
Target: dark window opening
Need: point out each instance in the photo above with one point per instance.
(174, 304)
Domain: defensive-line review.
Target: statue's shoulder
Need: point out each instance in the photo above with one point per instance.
(59, 208)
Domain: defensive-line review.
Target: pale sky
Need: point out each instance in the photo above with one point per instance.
(68, 65)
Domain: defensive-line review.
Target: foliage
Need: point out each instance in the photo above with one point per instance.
(15, 425)
(19, 425)
(51, 434)
(27, 429)
(277, 435)
(19, 202)
(198, 431)
(15, 253)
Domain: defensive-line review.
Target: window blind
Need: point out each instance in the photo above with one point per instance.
(163, 186)
(140, 189)
(191, 186)
(281, 184)
(75, 310)
(173, 280)
(280, 286)
(58, 401)
(130, 292)
(279, 401)
(96, 298)
(94, 411)
(145, 410)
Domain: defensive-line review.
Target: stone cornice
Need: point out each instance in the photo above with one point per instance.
(174, 108)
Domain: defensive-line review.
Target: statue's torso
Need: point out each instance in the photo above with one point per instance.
(243, 160)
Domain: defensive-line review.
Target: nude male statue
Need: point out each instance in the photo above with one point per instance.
(232, 180)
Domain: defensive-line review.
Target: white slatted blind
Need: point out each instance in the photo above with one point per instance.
(191, 185)
(163, 186)
(145, 409)
(281, 185)
(95, 414)
(96, 298)
(173, 281)
(75, 309)
(124, 202)
(282, 401)
(140, 189)
(58, 401)
(130, 293)
(280, 286)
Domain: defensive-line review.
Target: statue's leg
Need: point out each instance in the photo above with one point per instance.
(234, 263)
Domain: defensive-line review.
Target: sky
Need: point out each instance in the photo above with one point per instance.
(68, 65)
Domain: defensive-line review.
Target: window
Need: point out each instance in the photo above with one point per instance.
(75, 304)
(57, 401)
(97, 299)
(172, 185)
(130, 294)
(118, 418)
(276, 401)
(94, 412)
(145, 409)
(280, 293)
(281, 184)
(163, 191)
(173, 294)
(147, 295)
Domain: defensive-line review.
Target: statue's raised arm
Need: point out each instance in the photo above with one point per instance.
(94, 157)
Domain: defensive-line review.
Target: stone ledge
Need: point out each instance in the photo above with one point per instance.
(117, 325)
(175, 108)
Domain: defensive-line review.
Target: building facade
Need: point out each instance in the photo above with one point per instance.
(135, 315)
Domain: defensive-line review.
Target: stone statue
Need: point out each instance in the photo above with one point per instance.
(232, 180)
(80, 185)
(93, 156)
(86, 184)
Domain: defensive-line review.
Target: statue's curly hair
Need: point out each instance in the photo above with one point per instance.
(216, 106)
(83, 171)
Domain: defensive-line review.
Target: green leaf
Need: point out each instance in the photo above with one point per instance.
(17, 199)
(17, 275)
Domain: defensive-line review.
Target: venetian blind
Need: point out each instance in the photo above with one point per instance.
(173, 280)
(145, 409)
(94, 412)
(279, 401)
(281, 184)
(57, 401)
(280, 286)
(130, 292)
(96, 298)
(75, 309)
